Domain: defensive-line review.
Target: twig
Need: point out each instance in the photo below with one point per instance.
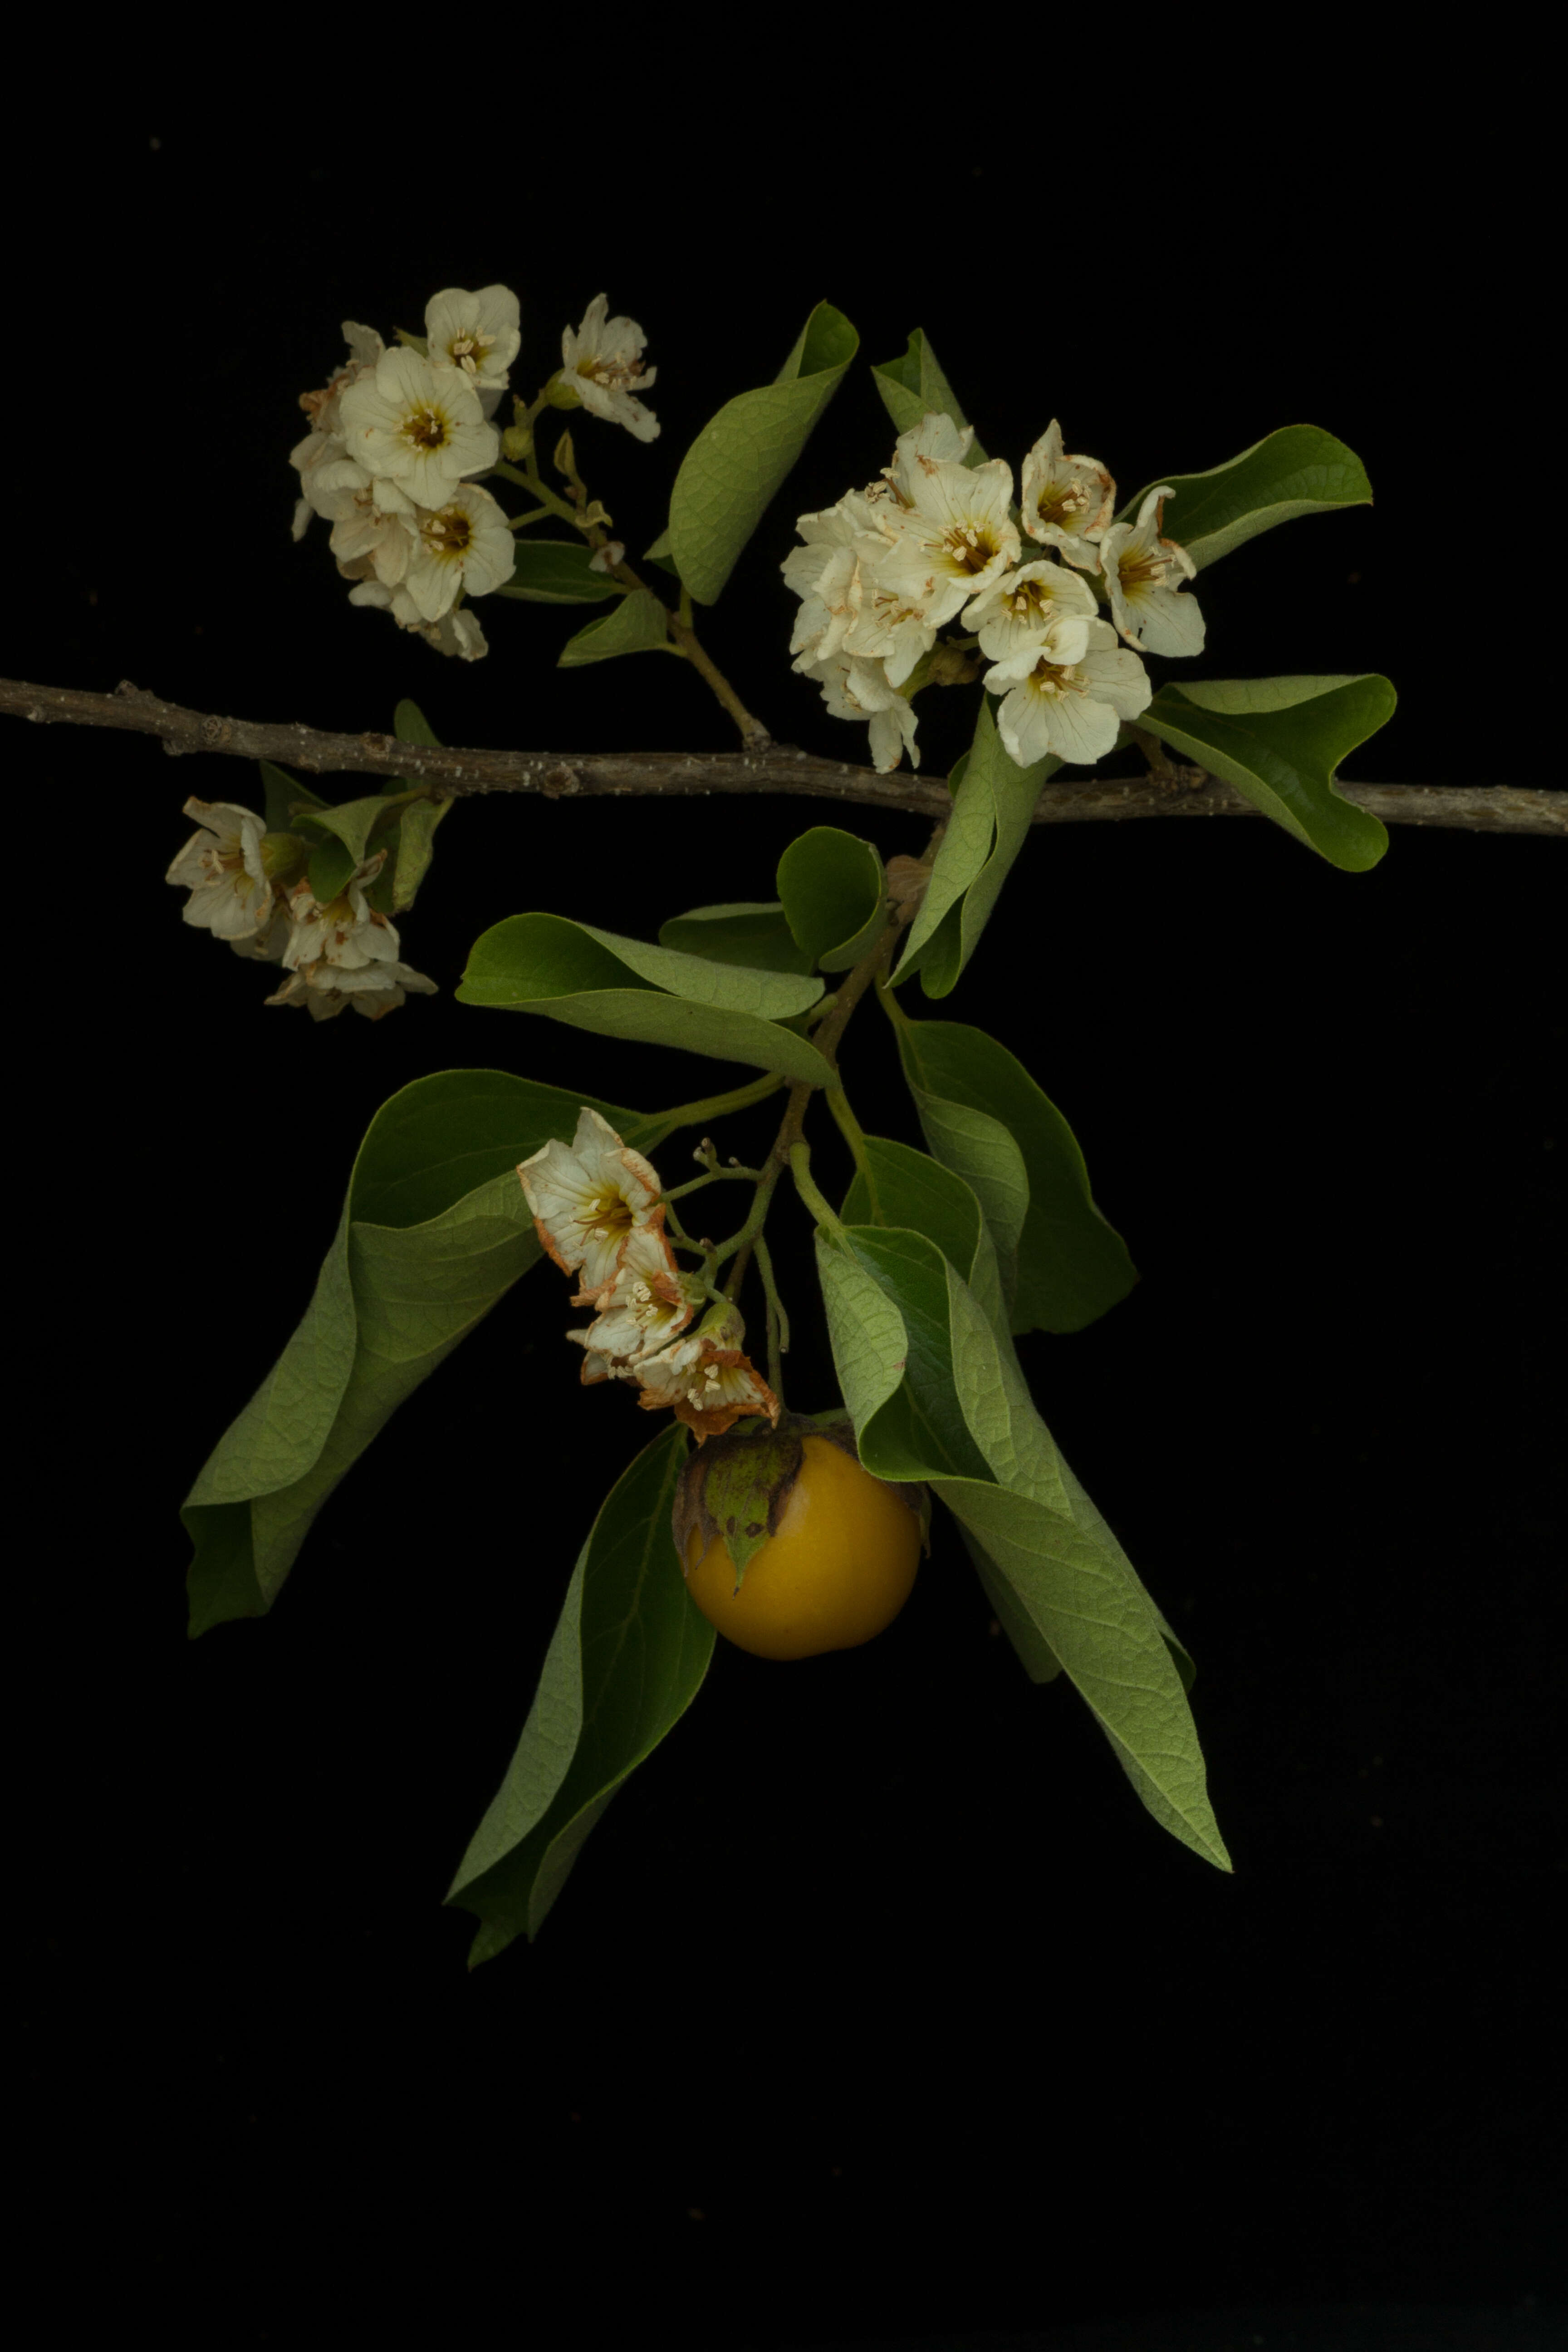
(1478, 808)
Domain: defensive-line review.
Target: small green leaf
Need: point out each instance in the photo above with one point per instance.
(659, 553)
(410, 725)
(993, 808)
(557, 571)
(638, 626)
(626, 1659)
(914, 385)
(749, 931)
(832, 887)
(1280, 742)
(329, 870)
(1298, 470)
(354, 821)
(628, 988)
(435, 1229)
(284, 798)
(740, 459)
(984, 1116)
(416, 841)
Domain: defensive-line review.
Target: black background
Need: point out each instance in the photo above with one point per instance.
(876, 2007)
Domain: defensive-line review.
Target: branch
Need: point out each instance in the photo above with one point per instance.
(1065, 800)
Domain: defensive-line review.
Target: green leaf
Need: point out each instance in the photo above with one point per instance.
(914, 385)
(638, 626)
(626, 1659)
(354, 821)
(982, 1114)
(415, 840)
(596, 980)
(1039, 1661)
(923, 1423)
(659, 553)
(1298, 470)
(832, 888)
(740, 458)
(1280, 742)
(900, 1186)
(993, 804)
(1106, 1634)
(435, 1229)
(962, 1420)
(750, 931)
(284, 798)
(410, 725)
(557, 571)
(329, 870)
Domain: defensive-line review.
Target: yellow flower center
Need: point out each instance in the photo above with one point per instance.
(425, 428)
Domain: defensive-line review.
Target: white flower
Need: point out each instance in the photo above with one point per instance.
(1143, 572)
(223, 870)
(856, 688)
(377, 990)
(1016, 610)
(466, 544)
(1064, 702)
(268, 944)
(935, 441)
(1067, 501)
(365, 351)
(418, 425)
(372, 523)
(705, 1384)
(479, 334)
(842, 605)
(348, 932)
(642, 1310)
(958, 535)
(325, 442)
(587, 1199)
(600, 360)
(824, 574)
(455, 633)
(345, 952)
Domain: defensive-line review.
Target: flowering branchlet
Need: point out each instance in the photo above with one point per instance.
(247, 887)
(937, 539)
(398, 436)
(599, 1210)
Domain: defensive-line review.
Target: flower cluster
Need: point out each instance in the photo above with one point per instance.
(392, 437)
(397, 435)
(935, 539)
(598, 1213)
(246, 887)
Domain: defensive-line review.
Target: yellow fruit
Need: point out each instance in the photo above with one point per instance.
(836, 1571)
